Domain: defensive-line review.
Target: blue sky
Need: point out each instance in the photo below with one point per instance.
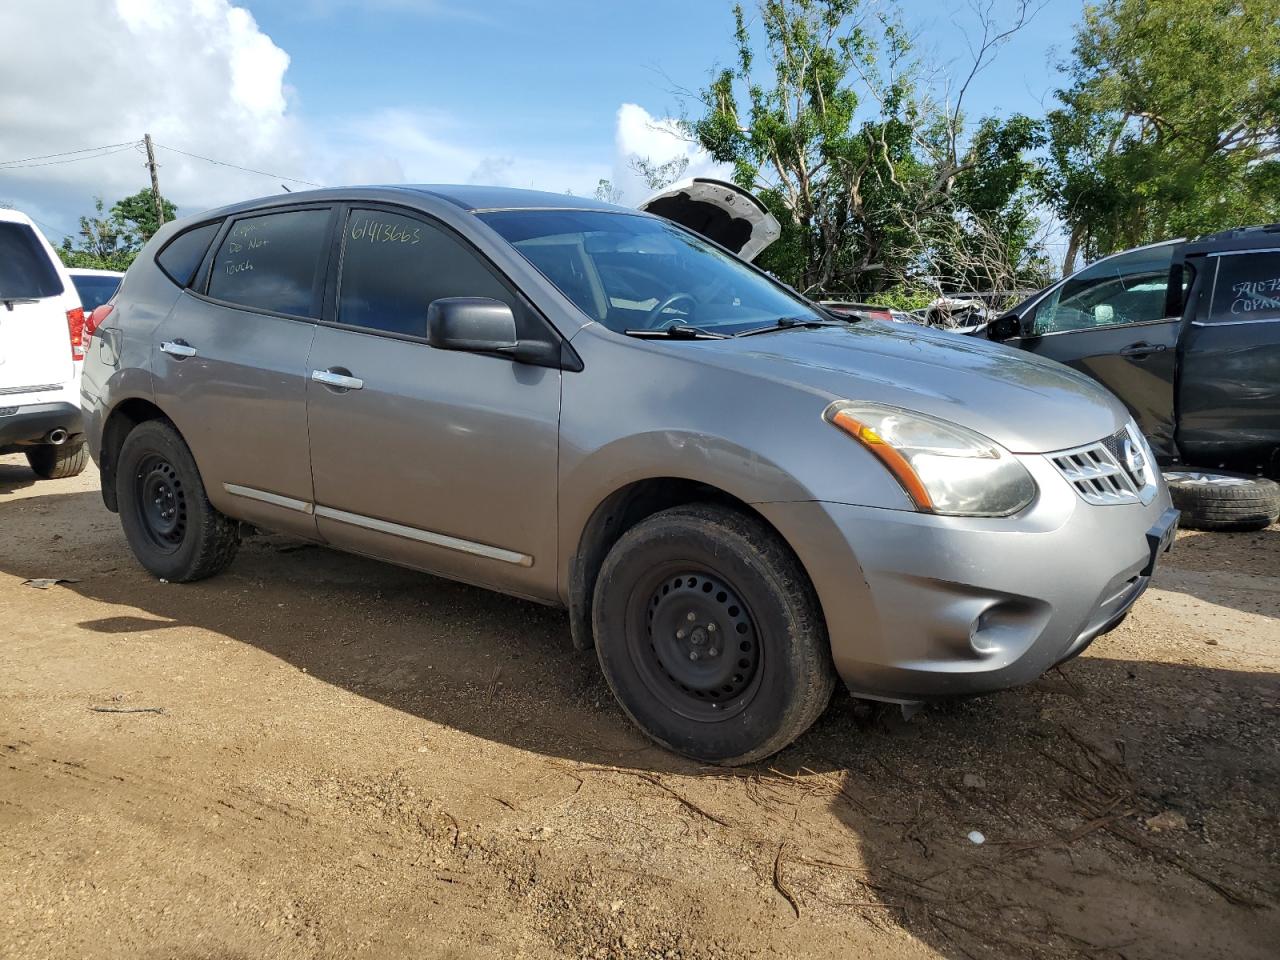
(553, 95)
(549, 77)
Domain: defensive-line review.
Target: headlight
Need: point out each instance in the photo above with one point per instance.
(944, 467)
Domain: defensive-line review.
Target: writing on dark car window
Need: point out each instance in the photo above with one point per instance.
(375, 230)
(1248, 287)
(271, 262)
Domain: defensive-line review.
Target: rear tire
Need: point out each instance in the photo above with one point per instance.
(710, 635)
(1223, 501)
(171, 527)
(59, 462)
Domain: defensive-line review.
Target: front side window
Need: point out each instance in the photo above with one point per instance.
(25, 270)
(273, 262)
(1130, 288)
(1247, 288)
(393, 266)
(632, 272)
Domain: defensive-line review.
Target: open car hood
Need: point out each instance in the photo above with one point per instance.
(720, 211)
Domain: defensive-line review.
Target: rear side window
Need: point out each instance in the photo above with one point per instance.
(94, 290)
(182, 255)
(273, 262)
(25, 270)
(393, 266)
(1247, 288)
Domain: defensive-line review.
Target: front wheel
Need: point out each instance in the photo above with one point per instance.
(172, 528)
(710, 635)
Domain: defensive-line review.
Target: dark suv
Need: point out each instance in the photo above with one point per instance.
(1187, 334)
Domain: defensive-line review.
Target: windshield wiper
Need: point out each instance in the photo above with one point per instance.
(677, 331)
(10, 301)
(790, 323)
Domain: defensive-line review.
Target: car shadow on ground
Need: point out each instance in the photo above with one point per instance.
(14, 477)
(1060, 778)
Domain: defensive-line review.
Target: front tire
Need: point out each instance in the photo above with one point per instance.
(58, 462)
(171, 527)
(710, 635)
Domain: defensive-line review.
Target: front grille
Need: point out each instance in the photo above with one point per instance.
(38, 388)
(1099, 471)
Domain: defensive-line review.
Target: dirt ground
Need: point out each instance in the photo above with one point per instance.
(351, 760)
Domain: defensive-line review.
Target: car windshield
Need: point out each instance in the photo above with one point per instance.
(94, 290)
(633, 272)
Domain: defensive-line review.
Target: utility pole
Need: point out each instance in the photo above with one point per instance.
(155, 180)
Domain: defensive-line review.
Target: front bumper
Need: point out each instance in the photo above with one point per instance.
(920, 606)
(31, 422)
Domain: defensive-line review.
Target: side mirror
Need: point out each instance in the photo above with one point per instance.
(1005, 327)
(474, 324)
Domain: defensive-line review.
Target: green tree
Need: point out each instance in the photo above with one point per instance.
(111, 240)
(1171, 124)
(825, 116)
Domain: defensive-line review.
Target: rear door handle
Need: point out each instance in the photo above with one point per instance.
(1142, 349)
(337, 377)
(178, 348)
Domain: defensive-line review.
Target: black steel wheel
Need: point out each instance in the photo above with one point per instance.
(696, 644)
(161, 502)
(172, 528)
(710, 635)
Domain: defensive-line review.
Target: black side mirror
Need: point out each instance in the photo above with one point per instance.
(474, 324)
(1005, 327)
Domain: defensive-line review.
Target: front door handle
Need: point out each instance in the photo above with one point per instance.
(178, 348)
(339, 378)
(1142, 349)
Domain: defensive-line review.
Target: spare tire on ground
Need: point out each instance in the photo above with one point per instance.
(1216, 500)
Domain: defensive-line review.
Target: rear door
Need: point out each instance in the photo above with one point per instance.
(35, 348)
(230, 364)
(1116, 321)
(1229, 388)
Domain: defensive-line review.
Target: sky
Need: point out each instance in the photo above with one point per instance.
(550, 94)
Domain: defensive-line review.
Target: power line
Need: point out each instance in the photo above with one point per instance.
(233, 166)
(14, 165)
(67, 153)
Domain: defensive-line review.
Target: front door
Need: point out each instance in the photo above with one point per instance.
(436, 459)
(1115, 321)
(230, 366)
(1229, 384)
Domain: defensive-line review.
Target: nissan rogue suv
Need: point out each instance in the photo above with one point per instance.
(41, 352)
(738, 497)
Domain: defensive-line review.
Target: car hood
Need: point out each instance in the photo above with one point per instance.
(720, 211)
(1023, 402)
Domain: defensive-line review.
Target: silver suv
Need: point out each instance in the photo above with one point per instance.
(737, 496)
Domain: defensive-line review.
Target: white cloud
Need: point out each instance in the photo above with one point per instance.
(640, 135)
(202, 77)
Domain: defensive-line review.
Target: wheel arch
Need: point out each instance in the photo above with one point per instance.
(124, 417)
(619, 512)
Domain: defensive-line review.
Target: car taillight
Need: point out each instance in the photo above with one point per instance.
(75, 327)
(879, 315)
(95, 319)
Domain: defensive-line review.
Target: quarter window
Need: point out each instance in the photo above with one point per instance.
(25, 270)
(273, 262)
(1130, 288)
(393, 266)
(1247, 288)
(182, 255)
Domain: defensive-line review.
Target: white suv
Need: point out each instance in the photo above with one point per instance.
(42, 334)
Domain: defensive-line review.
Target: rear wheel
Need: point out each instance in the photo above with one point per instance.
(58, 462)
(172, 528)
(710, 635)
(1223, 501)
